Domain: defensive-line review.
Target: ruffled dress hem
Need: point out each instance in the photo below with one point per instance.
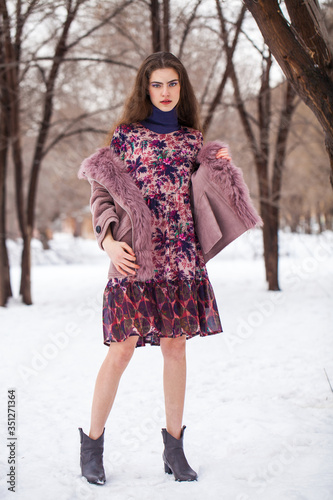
(159, 309)
(154, 339)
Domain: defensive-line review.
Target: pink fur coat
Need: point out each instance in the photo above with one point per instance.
(221, 205)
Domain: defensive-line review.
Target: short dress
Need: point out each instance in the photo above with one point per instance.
(178, 299)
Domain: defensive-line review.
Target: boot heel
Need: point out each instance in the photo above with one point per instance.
(173, 454)
(167, 469)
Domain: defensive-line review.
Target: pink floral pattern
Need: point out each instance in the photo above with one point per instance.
(179, 299)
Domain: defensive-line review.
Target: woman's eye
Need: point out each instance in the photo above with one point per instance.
(173, 84)
(155, 85)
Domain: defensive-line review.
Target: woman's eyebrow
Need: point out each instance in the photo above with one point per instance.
(171, 81)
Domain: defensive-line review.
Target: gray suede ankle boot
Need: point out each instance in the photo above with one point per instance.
(174, 458)
(91, 458)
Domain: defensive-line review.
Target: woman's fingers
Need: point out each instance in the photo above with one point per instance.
(124, 259)
(120, 270)
(127, 268)
(124, 269)
(127, 248)
(129, 260)
(223, 153)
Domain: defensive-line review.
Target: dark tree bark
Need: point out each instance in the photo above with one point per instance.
(5, 126)
(160, 25)
(286, 114)
(166, 25)
(5, 286)
(302, 49)
(155, 25)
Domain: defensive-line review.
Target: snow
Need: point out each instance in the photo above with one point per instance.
(259, 408)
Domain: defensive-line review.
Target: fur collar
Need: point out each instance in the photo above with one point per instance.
(229, 179)
(106, 168)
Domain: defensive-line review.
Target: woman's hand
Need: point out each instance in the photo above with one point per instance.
(121, 254)
(223, 153)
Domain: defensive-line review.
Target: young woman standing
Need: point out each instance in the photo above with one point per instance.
(148, 215)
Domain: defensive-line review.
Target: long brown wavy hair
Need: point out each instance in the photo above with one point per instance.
(138, 105)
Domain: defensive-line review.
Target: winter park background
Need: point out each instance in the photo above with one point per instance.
(259, 408)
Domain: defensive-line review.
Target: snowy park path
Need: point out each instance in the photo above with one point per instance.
(259, 408)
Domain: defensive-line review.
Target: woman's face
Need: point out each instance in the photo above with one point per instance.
(164, 88)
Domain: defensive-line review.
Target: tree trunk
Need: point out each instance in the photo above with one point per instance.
(11, 90)
(302, 66)
(270, 228)
(5, 286)
(155, 25)
(166, 25)
(320, 221)
(25, 288)
(329, 221)
(278, 167)
(307, 223)
(271, 246)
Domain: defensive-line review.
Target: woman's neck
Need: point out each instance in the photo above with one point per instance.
(162, 122)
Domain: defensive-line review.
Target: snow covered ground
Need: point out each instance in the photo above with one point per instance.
(259, 408)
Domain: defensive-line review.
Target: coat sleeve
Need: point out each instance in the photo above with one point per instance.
(103, 211)
(221, 202)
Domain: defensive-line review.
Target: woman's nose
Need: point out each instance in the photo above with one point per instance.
(165, 90)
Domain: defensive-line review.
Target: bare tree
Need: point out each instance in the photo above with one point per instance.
(258, 130)
(259, 140)
(303, 50)
(12, 31)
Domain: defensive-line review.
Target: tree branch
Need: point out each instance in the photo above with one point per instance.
(229, 50)
(92, 59)
(64, 135)
(306, 18)
(67, 133)
(99, 25)
(187, 28)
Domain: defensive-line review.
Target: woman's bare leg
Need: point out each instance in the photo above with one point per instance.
(174, 380)
(107, 382)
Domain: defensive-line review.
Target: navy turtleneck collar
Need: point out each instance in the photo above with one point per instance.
(162, 122)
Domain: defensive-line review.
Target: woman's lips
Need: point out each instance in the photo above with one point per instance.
(165, 102)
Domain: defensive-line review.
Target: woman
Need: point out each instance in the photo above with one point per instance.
(145, 190)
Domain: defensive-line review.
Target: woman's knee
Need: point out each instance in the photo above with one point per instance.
(174, 348)
(120, 353)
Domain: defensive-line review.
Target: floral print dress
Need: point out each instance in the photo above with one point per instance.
(179, 299)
